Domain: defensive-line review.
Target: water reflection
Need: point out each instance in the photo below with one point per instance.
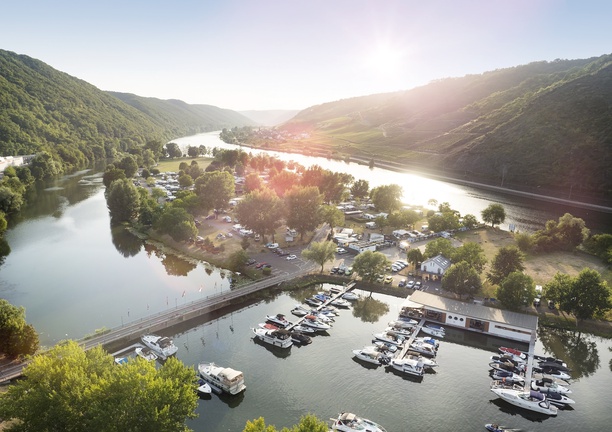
(514, 411)
(281, 353)
(5, 250)
(174, 264)
(126, 243)
(369, 309)
(578, 350)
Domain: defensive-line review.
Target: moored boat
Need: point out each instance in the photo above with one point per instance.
(371, 355)
(350, 296)
(146, 353)
(315, 323)
(424, 348)
(403, 332)
(408, 366)
(279, 319)
(162, 346)
(279, 338)
(547, 385)
(300, 338)
(433, 330)
(342, 303)
(304, 329)
(299, 310)
(222, 379)
(530, 400)
(390, 338)
(427, 362)
(349, 422)
(204, 388)
(509, 377)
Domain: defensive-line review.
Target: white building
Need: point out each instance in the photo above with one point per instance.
(435, 266)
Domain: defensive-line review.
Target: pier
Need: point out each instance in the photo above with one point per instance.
(163, 320)
(407, 342)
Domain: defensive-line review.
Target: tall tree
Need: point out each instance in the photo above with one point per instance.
(507, 260)
(360, 189)
(494, 214)
(128, 165)
(387, 198)
(516, 291)
(414, 256)
(283, 181)
(443, 222)
(472, 253)
(17, 337)
(308, 423)
(122, 200)
(252, 182)
(177, 223)
(461, 279)
(69, 389)
(260, 211)
(173, 150)
(470, 221)
(331, 215)
(320, 253)
(370, 264)
(302, 204)
(439, 246)
(215, 189)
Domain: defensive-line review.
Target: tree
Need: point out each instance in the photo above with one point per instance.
(387, 198)
(516, 291)
(70, 389)
(308, 423)
(331, 215)
(320, 253)
(44, 166)
(566, 234)
(3, 223)
(252, 182)
(237, 260)
(439, 246)
(443, 222)
(177, 223)
(524, 241)
(462, 279)
(403, 218)
(360, 189)
(302, 208)
(215, 189)
(472, 253)
(282, 182)
(470, 221)
(600, 245)
(17, 337)
(193, 151)
(173, 150)
(185, 181)
(414, 256)
(494, 214)
(10, 201)
(111, 174)
(370, 264)
(586, 296)
(122, 200)
(507, 260)
(260, 211)
(128, 165)
(381, 222)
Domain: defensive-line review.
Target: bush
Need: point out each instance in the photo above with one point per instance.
(524, 242)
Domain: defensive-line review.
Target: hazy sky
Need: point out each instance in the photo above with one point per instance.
(292, 54)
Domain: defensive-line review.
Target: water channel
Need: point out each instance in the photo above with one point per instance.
(73, 274)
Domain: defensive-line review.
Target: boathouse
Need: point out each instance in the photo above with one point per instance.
(473, 317)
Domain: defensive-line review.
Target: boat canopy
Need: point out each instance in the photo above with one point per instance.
(231, 374)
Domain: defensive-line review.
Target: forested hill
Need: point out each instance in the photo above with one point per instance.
(42, 108)
(545, 126)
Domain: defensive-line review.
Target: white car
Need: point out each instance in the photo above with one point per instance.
(340, 250)
(272, 245)
(291, 257)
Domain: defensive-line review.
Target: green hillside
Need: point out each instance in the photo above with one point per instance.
(544, 126)
(45, 109)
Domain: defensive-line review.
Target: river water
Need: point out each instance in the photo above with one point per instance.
(73, 274)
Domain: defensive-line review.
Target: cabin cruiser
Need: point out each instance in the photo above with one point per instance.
(349, 422)
(427, 362)
(403, 323)
(547, 385)
(339, 302)
(403, 332)
(408, 366)
(390, 338)
(434, 330)
(530, 400)
(371, 355)
(507, 376)
(350, 296)
(279, 338)
(315, 323)
(300, 311)
(516, 354)
(424, 348)
(559, 399)
(327, 319)
(222, 379)
(555, 373)
(279, 319)
(161, 345)
(431, 341)
(304, 329)
(384, 346)
(313, 302)
(146, 353)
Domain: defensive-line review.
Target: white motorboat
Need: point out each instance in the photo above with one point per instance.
(146, 353)
(408, 366)
(547, 385)
(559, 399)
(339, 302)
(427, 362)
(329, 310)
(424, 348)
(279, 319)
(432, 330)
(530, 400)
(349, 422)
(403, 332)
(279, 338)
(322, 316)
(300, 311)
(350, 296)
(222, 379)
(304, 329)
(371, 355)
(403, 323)
(313, 302)
(203, 388)
(161, 345)
(389, 338)
(507, 376)
(384, 346)
(315, 323)
(516, 354)
(554, 373)
(431, 341)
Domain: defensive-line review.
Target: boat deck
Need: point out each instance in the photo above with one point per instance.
(407, 342)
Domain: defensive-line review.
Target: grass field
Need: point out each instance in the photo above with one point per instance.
(172, 165)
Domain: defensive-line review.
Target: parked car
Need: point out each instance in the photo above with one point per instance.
(410, 284)
(250, 262)
(551, 305)
(291, 257)
(348, 271)
(340, 250)
(402, 283)
(334, 270)
(257, 237)
(536, 302)
(341, 271)
(261, 265)
(272, 245)
(417, 285)
(389, 279)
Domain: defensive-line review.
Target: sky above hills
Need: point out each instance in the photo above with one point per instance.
(292, 54)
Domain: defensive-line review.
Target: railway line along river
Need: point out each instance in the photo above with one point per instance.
(73, 274)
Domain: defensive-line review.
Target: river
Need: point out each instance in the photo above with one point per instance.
(73, 274)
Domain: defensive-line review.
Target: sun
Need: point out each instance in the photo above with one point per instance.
(385, 59)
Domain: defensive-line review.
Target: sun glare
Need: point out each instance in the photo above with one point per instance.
(385, 59)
